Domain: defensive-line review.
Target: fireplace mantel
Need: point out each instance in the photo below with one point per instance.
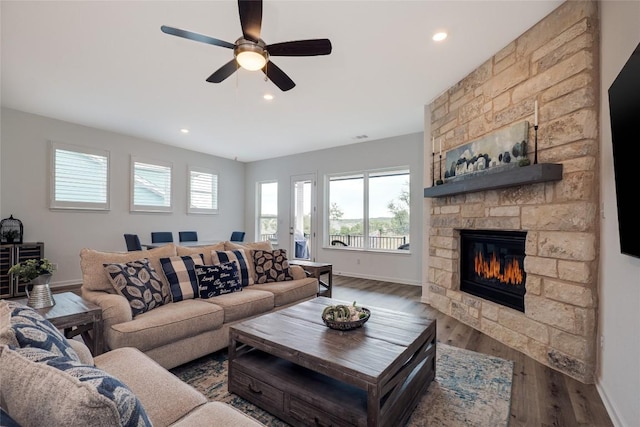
(532, 174)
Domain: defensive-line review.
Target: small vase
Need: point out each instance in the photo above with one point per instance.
(40, 295)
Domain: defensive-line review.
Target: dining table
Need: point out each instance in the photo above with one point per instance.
(194, 244)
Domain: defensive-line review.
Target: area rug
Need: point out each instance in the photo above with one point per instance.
(470, 389)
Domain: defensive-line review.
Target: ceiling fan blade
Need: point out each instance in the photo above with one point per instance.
(311, 47)
(278, 77)
(195, 36)
(250, 18)
(223, 72)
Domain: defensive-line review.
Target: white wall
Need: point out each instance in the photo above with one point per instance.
(619, 320)
(398, 151)
(24, 191)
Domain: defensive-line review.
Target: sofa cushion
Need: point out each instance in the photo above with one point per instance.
(264, 245)
(138, 282)
(181, 274)
(241, 257)
(22, 326)
(95, 278)
(204, 250)
(214, 280)
(291, 290)
(41, 388)
(271, 266)
(166, 324)
(164, 397)
(240, 305)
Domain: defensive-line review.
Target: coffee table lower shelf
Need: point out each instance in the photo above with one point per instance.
(296, 394)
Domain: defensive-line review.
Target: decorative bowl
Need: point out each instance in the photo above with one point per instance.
(341, 325)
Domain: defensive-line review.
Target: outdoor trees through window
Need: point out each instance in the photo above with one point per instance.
(375, 204)
(268, 215)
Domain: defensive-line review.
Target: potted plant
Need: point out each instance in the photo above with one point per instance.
(10, 235)
(31, 269)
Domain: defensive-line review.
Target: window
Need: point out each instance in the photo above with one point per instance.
(369, 210)
(268, 211)
(79, 177)
(150, 186)
(203, 191)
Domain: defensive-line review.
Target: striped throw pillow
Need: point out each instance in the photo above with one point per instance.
(240, 257)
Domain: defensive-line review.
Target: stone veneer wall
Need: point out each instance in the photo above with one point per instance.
(556, 63)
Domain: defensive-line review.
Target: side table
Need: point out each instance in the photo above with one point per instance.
(317, 269)
(75, 316)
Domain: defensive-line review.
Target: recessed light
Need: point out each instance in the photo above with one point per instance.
(268, 96)
(184, 130)
(438, 37)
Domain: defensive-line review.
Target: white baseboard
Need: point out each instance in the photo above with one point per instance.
(609, 406)
(380, 278)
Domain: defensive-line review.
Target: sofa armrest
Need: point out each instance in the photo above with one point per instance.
(165, 398)
(297, 272)
(115, 309)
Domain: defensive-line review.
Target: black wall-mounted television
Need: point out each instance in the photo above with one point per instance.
(624, 106)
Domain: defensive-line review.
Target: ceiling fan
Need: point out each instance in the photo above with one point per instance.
(251, 52)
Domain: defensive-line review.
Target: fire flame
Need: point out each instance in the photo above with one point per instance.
(490, 269)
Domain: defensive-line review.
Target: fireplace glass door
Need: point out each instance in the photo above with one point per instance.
(492, 266)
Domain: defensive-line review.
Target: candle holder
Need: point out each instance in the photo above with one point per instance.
(433, 168)
(535, 144)
(439, 181)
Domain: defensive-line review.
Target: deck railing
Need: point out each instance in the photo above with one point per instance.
(357, 240)
(375, 242)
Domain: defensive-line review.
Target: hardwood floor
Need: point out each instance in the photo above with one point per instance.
(541, 396)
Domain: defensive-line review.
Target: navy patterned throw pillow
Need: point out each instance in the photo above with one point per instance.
(138, 282)
(27, 328)
(181, 275)
(272, 266)
(214, 280)
(130, 410)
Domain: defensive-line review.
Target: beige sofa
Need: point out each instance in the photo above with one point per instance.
(178, 332)
(43, 385)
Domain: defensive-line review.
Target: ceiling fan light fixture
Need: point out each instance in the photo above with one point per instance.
(251, 56)
(439, 36)
(251, 61)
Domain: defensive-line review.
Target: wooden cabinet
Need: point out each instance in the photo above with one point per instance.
(11, 254)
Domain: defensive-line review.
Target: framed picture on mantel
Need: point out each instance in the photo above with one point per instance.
(495, 152)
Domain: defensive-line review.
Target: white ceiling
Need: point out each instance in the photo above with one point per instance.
(107, 65)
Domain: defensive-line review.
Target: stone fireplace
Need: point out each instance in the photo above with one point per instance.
(556, 64)
(492, 266)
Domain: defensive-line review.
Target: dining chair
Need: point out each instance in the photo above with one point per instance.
(161, 236)
(237, 236)
(188, 236)
(133, 242)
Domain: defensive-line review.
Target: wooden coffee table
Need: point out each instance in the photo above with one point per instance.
(291, 365)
